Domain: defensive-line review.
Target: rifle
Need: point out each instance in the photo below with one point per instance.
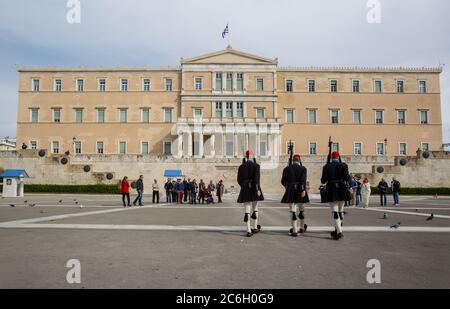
(330, 144)
(291, 152)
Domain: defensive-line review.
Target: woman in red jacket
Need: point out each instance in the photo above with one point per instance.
(125, 190)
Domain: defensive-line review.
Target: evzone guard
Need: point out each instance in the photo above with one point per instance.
(250, 193)
(337, 179)
(294, 181)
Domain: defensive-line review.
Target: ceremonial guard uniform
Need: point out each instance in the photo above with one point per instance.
(294, 180)
(248, 179)
(337, 179)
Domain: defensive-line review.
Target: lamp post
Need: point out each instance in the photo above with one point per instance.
(385, 146)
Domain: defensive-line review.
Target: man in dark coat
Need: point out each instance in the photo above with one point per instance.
(294, 181)
(249, 181)
(382, 189)
(337, 179)
(140, 190)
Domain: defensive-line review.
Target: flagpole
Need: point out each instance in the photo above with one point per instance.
(228, 33)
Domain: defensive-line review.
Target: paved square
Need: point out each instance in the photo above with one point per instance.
(204, 246)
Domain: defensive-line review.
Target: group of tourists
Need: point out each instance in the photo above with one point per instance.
(177, 191)
(361, 192)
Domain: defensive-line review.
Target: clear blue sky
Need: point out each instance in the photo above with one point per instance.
(142, 32)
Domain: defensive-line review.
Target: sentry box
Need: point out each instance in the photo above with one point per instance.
(13, 182)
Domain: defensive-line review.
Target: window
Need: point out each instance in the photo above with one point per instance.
(356, 116)
(144, 148)
(357, 149)
(77, 146)
(424, 117)
(229, 110)
(123, 115)
(425, 147)
(167, 148)
(401, 116)
(218, 109)
(333, 85)
(229, 84)
(123, 148)
(145, 116)
(34, 115)
(167, 115)
(55, 147)
(402, 149)
(229, 148)
(335, 147)
(56, 115)
(312, 116)
(334, 116)
(240, 82)
(168, 84)
(379, 117)
(146, 84)
(100, 115)
(380, 149)
(289, 85)
(422, 86)
(290, 116)
(377, 86)
(356, 86)
(313, 148)
(240, 109)
(78, 115)
(36, 85)
(311, 85)
(197, 113)
(400, 86)
(262, 148)
(102, 85)
(33, 144)
(260, 113)
(100, 147)
(80, 85)
(198, 83)
(124, 84)
(259, 84)
(219, 81)
(58, 85)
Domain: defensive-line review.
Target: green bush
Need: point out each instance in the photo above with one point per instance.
(418, 191)
(89, 189)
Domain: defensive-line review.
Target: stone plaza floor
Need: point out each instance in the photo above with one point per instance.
(204, 246)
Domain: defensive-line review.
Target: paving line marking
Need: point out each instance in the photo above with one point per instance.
(407, 213)
(201, 228)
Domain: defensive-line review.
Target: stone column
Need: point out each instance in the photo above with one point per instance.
(246, 141)
(224, 144)
(258, 143)
(235, 144)
(212, 142)
(180, 145)
(189, 147)
(200, 145)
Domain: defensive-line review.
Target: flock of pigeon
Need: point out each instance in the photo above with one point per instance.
(34, 204)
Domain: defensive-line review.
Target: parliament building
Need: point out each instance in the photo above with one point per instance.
(222, 103)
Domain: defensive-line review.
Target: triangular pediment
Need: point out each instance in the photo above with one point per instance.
(229, 56)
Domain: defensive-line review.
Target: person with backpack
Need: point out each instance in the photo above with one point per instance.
(396, 191)
(358, 192)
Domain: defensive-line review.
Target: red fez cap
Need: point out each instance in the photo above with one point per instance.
(296, 157)
(248, 153)
(335, 155)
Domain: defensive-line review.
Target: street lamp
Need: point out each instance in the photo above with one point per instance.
(385, 146)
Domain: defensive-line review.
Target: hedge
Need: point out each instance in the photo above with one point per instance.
(89, 189)
(418, 191)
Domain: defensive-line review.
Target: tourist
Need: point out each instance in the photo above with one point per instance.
(180, 191)
(194, 189)
(168, 187)
(201, 191)
(185, 190)
(211, 188)
(174, 192)
(125, 190)
(395, 184)
(155, 188)
(140, 190)
(358, 191)
(365, 193)
(219, 192)
(382, 190)
(354, 186)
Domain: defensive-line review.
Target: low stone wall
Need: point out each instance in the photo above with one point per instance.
(418, 171)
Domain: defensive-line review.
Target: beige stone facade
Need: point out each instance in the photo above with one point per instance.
(222, 103)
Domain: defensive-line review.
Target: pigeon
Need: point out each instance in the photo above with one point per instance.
(395, 226)
(385, 216)
(76, 203)
(32, 205)
(60, 201)
(42, 211)
(26, 201)
(12, 205)
(430, 217)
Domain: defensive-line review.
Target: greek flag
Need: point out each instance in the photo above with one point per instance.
(225, 31)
